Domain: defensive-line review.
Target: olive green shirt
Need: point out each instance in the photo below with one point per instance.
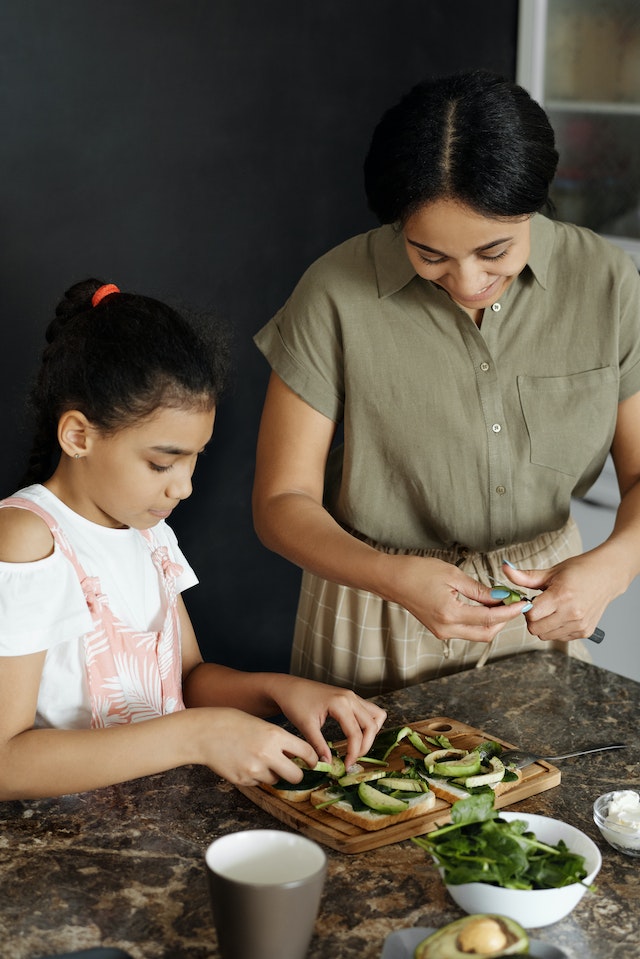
(454, 434)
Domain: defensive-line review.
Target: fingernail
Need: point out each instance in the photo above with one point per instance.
(505, 562)
(498, 593)
(525, 609)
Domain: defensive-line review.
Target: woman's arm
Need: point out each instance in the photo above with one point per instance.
(293, 446)
(578, 590)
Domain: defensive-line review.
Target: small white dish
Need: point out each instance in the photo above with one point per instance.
(402, 944)
(534, 908)
(625, 839)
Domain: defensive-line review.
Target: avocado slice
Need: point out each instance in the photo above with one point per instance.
(468, 937)
(379, 801)
(335, 768)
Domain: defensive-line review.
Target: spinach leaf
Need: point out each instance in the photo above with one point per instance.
(478, 846)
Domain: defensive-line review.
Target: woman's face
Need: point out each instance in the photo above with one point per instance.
(471, 256)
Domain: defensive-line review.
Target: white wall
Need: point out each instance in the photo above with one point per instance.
(595, 515)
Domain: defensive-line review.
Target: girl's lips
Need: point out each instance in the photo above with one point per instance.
(161, 513)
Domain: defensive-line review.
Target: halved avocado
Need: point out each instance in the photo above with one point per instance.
(484, 936)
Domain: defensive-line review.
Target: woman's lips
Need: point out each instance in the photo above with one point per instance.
(484, 294)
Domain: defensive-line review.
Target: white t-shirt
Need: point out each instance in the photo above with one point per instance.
(42, 605)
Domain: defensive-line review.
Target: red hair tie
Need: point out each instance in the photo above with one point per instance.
(105, 290)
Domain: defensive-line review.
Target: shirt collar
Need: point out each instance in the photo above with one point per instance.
(542, 242)
(394, 269)
(392, 265)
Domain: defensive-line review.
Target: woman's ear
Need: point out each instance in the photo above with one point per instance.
(74, 434)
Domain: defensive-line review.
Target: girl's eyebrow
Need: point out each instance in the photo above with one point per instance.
(478, 249)
(174, 450)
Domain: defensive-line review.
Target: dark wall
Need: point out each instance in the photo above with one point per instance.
(203, 151)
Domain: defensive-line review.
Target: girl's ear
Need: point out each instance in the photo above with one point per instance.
(74, 434)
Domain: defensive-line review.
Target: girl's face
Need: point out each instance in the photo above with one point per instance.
(471, 256)
(137, 476)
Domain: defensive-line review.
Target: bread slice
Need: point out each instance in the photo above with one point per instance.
(452, 792)
(367, 818)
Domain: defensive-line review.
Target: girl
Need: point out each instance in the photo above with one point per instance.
(483, 360)
(98, 658)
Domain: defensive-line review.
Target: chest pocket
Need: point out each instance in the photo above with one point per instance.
(570, 419)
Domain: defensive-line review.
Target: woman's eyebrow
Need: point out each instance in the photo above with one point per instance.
(478, 249)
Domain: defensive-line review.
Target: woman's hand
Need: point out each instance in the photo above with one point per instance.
(575, 593)
(308, 705)
(445, 600)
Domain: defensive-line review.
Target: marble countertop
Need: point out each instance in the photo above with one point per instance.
(123, 866)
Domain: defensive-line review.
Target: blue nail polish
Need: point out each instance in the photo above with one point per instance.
(505, 562)
(525, 609)
(498, 593)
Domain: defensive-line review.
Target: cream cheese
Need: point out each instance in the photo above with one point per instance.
(623, 818)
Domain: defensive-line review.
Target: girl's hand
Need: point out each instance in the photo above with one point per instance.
(308, 705)
(246, 750)
(449, 603)
(574, 595)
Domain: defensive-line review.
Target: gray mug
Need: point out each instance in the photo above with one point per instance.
(265, 887)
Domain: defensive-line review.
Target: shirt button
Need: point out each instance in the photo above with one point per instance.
(501, 490)
(496, 307)
(496, 427)
(484, 367)
(500, 541)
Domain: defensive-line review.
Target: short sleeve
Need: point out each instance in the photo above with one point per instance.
(166, 537)
(41, 605)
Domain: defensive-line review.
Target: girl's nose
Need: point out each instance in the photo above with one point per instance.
(180, 486)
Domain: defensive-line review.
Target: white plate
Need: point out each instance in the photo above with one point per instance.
(401, 945)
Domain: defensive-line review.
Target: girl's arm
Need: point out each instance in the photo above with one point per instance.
(307, 704)
(48, 762)
(36, 763)
(578, 590)
(293, 446)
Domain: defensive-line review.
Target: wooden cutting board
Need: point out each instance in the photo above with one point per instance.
(345, 837)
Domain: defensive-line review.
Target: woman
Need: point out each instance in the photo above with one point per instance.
(483, 360)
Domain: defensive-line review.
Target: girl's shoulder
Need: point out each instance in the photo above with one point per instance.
(24, 536)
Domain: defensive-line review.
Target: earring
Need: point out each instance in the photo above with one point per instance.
(76, 456)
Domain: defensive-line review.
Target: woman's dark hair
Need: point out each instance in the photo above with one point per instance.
(117, 362)
(472, 137)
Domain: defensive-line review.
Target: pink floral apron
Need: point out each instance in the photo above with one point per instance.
(132, 675)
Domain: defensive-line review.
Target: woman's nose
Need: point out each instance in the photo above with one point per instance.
(471, 278)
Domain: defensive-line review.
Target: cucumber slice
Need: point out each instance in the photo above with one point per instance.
(488, 779)
(379, 801)
(468, 765)
(364, 775)
(404, 785)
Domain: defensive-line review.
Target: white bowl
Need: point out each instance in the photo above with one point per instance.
(623, 838)
(534, 908)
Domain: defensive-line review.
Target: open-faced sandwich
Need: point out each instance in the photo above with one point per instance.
(388, 786)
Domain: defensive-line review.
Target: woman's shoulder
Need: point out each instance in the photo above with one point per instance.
(24, 536)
